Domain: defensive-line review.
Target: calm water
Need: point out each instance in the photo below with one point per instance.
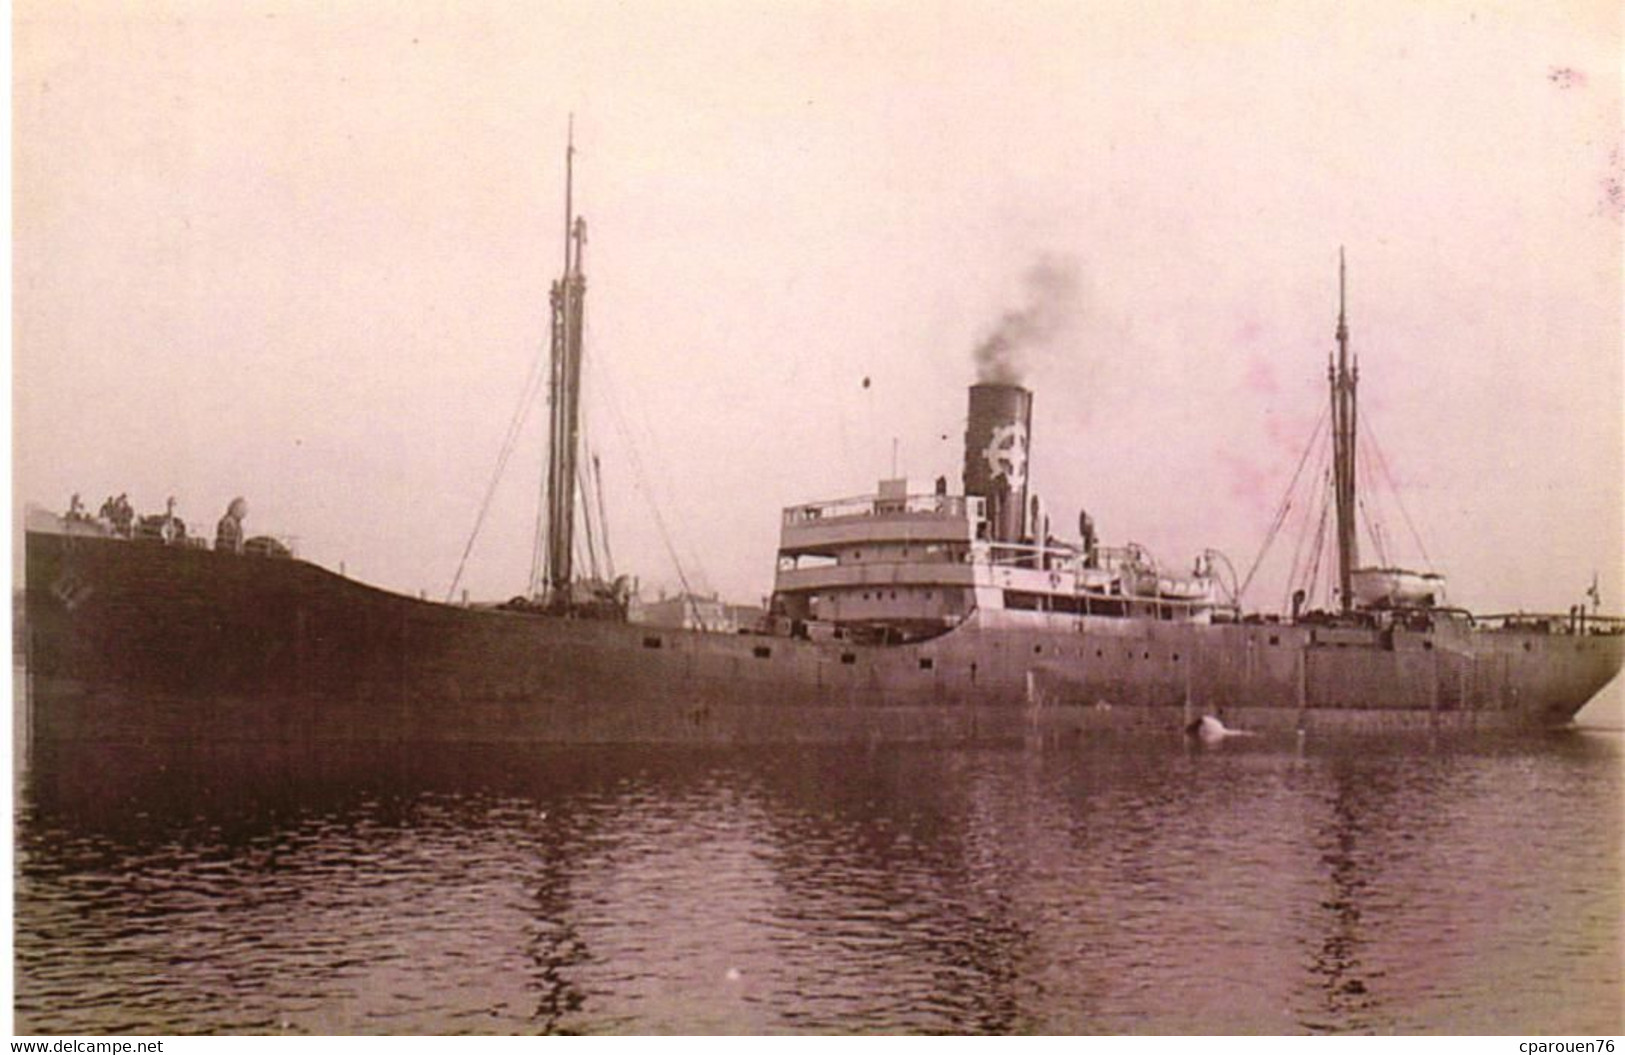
(1255, 885)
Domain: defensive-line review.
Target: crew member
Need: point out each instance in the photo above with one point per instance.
(172, 528)
(123, 515)
(228, 536)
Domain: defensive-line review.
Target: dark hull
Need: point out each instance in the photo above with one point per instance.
(139, 642)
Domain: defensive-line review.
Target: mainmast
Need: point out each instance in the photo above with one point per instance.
(568, 296)
(1344, 378)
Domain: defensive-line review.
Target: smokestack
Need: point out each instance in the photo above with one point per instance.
(998, 430)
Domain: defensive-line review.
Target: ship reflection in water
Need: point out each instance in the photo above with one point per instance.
(1253, 885)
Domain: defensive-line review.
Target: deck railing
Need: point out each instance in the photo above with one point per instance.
(1573, 622)
(935, 505)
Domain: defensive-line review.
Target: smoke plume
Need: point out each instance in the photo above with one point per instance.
(1049, 313)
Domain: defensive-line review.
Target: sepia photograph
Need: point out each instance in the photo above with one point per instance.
(817, 517)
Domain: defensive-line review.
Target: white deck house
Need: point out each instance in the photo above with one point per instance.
(908, 566)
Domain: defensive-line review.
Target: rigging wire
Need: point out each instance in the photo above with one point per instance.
(1315, 437)
(1297, 552)
(590, 480)
(603, 518)
(641, 479)
(1372, 521)
(587, 523)
(1314, 513)
(1382, 465)
(1319, 551)
(510, 439)
(583, 543)
(538, 543)
(538, 546)
(589, 519)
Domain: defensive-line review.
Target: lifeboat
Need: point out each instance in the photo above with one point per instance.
(1152, 584)
(1396, 588)
(1185, 589)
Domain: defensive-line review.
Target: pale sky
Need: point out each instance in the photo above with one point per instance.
(301, 252)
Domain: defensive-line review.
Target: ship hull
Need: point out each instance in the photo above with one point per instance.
(141, 642)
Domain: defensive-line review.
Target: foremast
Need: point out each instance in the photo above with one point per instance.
(552, 565)
(1344, 378)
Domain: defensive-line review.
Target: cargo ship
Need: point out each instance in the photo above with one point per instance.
(933, 615)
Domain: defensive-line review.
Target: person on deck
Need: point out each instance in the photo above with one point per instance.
(123, 515)
(228, 536)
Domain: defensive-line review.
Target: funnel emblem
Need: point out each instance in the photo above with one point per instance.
(1006, 454)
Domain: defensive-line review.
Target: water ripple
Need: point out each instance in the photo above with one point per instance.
(1258, 887)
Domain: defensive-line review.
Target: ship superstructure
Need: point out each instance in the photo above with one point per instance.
(898, 566)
